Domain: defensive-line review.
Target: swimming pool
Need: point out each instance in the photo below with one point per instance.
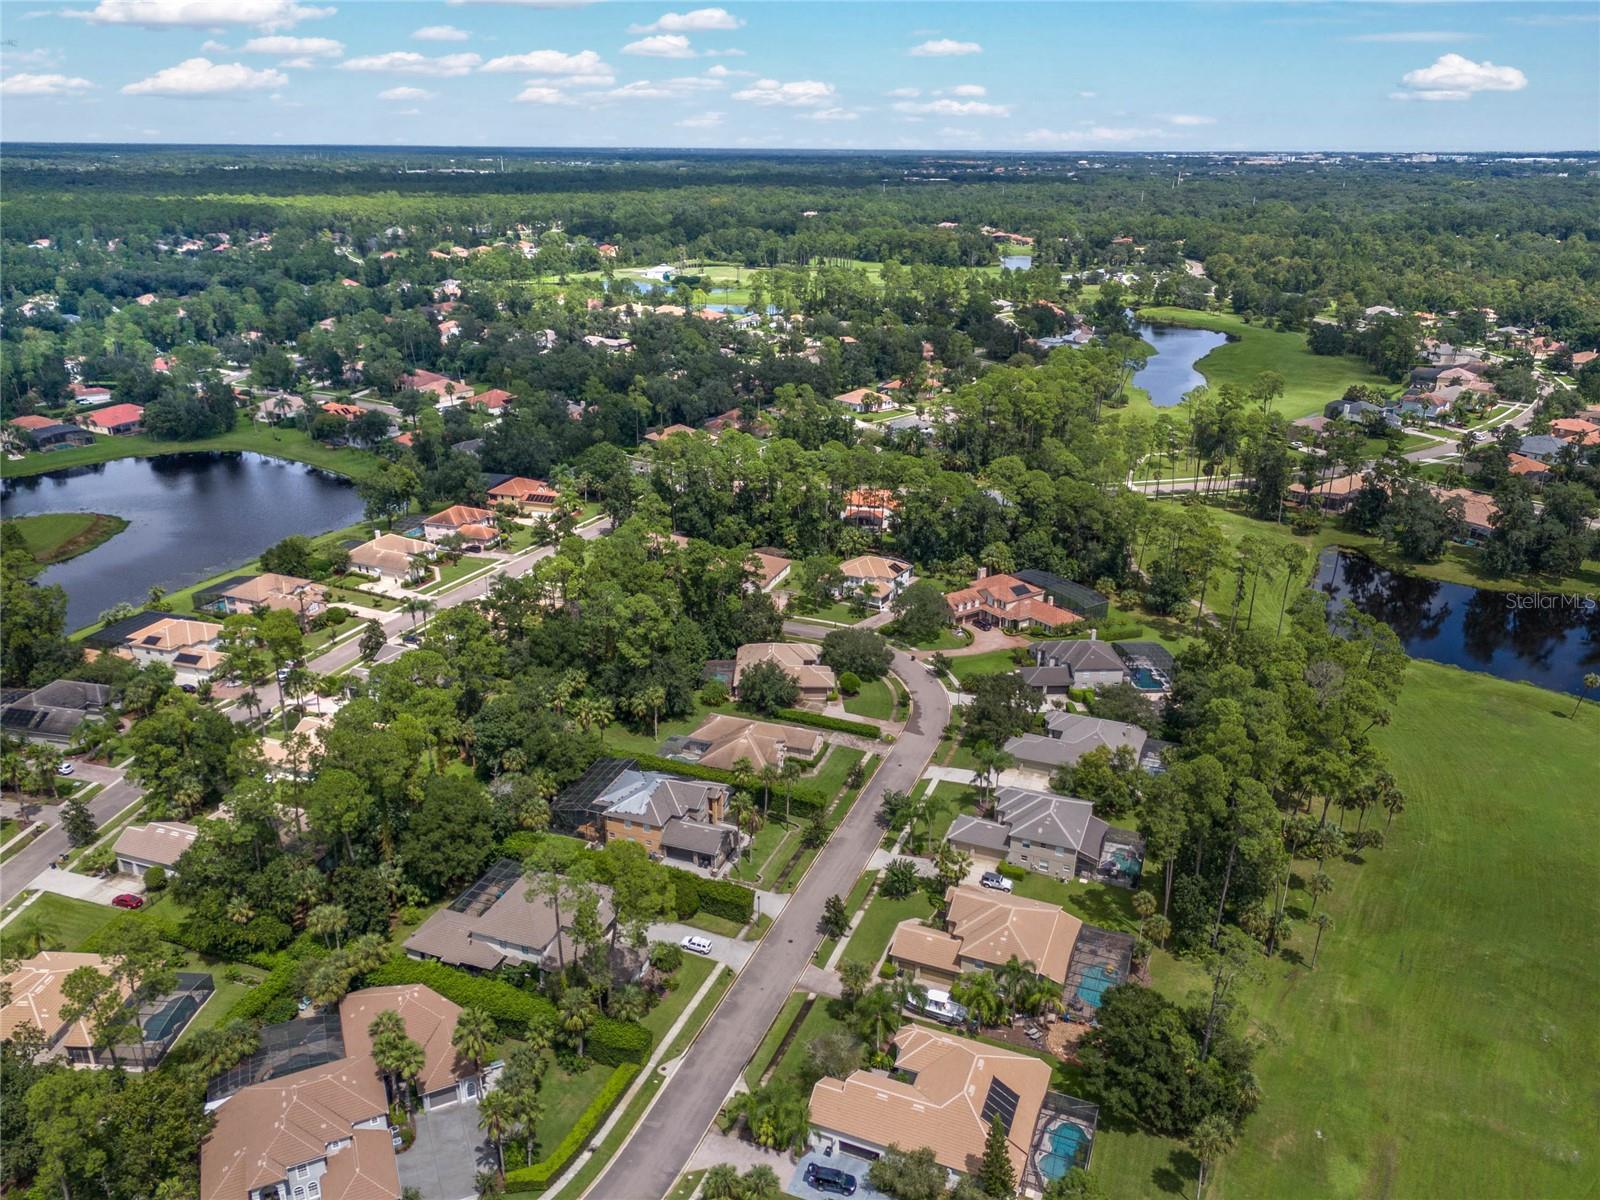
(1146, 679)
(1066, 1141)
(1096, 982)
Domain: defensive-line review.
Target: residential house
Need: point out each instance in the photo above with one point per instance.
(445, 392)
(1576, 430)
(275, 410)
(1330, 495)
(1054, 835)
(118, 420)
(1007, 602)
(533, 497)
(985, 928)
(494, 923)
(1542, 446)
(1527, 468)
(862, 400)
(322, 1133)
(158, 844)
(247, 593)
(1477, 512)
(877, 580)
(661, 435)
(35, 995)
(771, 569)
(801, 661)
(945, 1092)
(1090, 663)
(612, 345)
(345, 412)
(391, 556)
(475, 526)
(53, 712)
(1069, 736)
(723, 741)
(494, 401)
(90, 393)
(876, 509)
(189, 647)
(45, 433)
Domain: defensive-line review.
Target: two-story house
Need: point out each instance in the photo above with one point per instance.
(1007, 602)
(875, 579)
(1054, 835)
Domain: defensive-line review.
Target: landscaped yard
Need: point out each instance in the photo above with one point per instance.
(765, 848)
(858, 893)
(822, 1018)
(228, 992)
(830, 777)
(565, 1097)
(450, 572)
(871, 937)
(837, 614)
(66, 924)
(686, 982)
(1310, 380)
(947, 800)
(990, 662)
(874, 700)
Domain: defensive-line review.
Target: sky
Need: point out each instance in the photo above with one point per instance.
(790, 74)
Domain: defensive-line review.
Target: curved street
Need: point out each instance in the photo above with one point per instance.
(661, 1145)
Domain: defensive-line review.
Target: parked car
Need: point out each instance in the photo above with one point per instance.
(995, 880)
(830, 1179)
(127, 900)
(65, 768)
(700, 945)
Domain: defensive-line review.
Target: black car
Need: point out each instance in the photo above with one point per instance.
(830, 1179)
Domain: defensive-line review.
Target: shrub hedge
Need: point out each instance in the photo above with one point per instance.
(540, 1175)
(803, 802)
(1013, 872)
(799, 716)
(511, 1007)
(617, 1042)
(732, 901)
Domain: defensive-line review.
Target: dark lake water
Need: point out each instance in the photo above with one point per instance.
(190, 516)
(1170, 371)
(1540, 638)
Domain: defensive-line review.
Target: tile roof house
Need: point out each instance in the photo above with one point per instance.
(45, 434)
(987, 928)
(801, 661)
(771, 569)
(1477, 511)
(1054, 835)
(1008, 602)
(533, 497)
(323, 1131)
(475, 526)
(494, 400)
(1086, 663)
(118, 420)
(246, 593)
(861, 399)
(390, 556)
(870, 508)
(508, 928)
(1333, 495)
(446, 392)
(722, 740)
(158, 844)
(876, 579)
(90, 393)
(943, 1093)
(189, 647)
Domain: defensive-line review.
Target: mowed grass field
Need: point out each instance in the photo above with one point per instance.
(1310, 380)
(1444, 1046)
(55, 537)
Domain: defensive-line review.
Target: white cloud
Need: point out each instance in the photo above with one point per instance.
(665, 89)
(43, 85)
(406, 93)
(729, 53)
(701, 20)
(944, 48)
(662, 45)
(1091, 134)
(212, 46)
(1414, 36)
(12, 58)
(409, 62)
(202, 77)
(525, 3)
(969, 89)
(721, 72)
(307, 47)
(540, 94)
(440, 33)
(1190, 119)
(802, 93)
(599, 79)
(832, 114)
(550, 62)
(1087, 95)
(1453, 77)
(706, 120)
(905, 93)
(203, 14)
(953, 108)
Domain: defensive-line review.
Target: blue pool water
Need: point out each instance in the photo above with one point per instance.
(1147, 680)
(1066, 1143)
(1095, 984)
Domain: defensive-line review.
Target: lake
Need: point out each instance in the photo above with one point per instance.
(190, 516)
(1016, 262)
(1535, 637)
(1170, 371)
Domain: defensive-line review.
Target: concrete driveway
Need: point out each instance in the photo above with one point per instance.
(797, 1185)
(450, 1150)
(723, 949)
(662, 1143)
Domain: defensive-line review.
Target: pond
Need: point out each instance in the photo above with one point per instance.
(1535, 637)
(1170, 371)
(1016, 262)
(190, 516)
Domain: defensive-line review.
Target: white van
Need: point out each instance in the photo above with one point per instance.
(699, 945)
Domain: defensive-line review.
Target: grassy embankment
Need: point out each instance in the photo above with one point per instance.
(56, 537)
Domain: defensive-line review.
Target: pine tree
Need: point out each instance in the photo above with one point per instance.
(997, 1177)
(79, 822)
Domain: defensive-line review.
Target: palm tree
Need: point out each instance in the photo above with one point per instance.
(577, 1014)
(495, 1119)
(328, 922)
(991, 760)
(1014, 978)
(1211, 1139)
(721, 1182)
(408, 1061)
(746, 816)
(526, 1110)
(875, 1013)
(473, 1037)
(979, 993)
(1324, 923)
(1590, 682)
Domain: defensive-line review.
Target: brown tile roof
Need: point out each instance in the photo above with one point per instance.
(942, 1105)
(992, 926)
(719, 727)
(873, 566)
(800, 661)
(37, 998)
(174, 633)
(116, 414)
(458, 515)
(367, 1169)
(527, 491)
(161, 842)
(772, 567)
(429, 1018)
(32, 421)
(916, 943)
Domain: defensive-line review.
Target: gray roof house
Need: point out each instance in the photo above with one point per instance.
(1090, 663)
(52, 712)
(1542, 446)
(1069, 736)
(1053, 835)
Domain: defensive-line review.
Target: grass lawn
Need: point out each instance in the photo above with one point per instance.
(768, 1049)
(871, 937)
(55, 537)
(990, 662)
(694, 971)
(945, 803)
(830, 776)
(227, 994)
(647, 741)
(8, 829)
(858, 893)
(565, 1097)
(837, 614)
(450, 573)
(686, 1185)
(945, 639)
(1310, 380)
(1097, 903)
(874, 700)
(66, 923)
(712, 923)
(247, 435)
(346, 595)
(765, 849)
(822, 1018)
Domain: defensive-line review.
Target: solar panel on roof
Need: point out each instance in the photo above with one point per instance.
(1000, 1102)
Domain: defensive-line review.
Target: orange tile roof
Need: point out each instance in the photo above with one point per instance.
(116, 414)
(458, 515)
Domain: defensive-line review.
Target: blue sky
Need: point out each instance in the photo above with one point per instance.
(800, 73)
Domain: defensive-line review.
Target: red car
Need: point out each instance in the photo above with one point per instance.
(127, 900)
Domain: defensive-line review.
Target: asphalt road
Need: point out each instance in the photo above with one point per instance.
(654, 1155)
(21, 868)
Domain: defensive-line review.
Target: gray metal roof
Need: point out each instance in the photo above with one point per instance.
(1044, 817)
(968, 830)
(698, 837)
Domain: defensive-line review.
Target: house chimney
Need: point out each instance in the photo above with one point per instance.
(983, 572)
(1094, 635)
